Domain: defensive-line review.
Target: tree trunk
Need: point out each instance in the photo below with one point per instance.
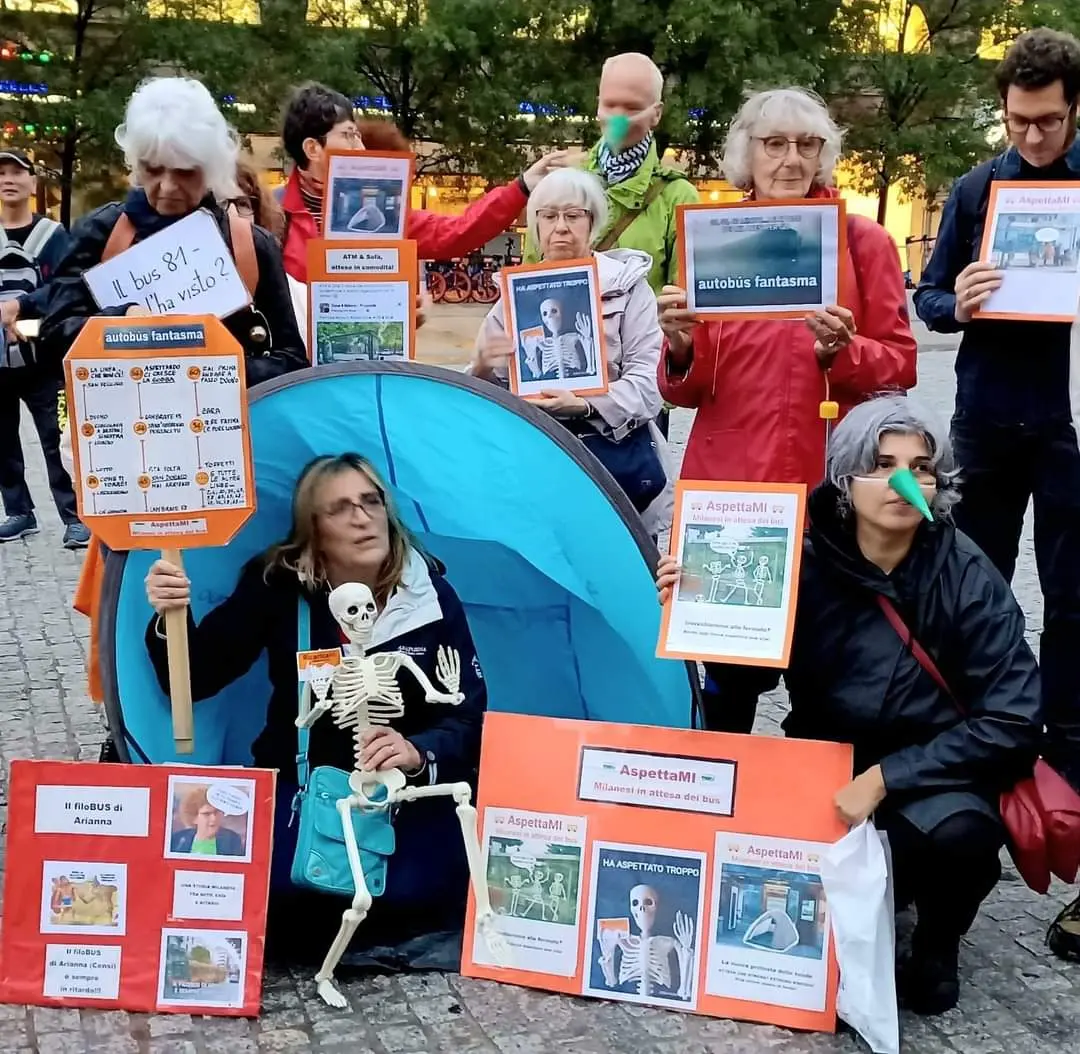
(67, 175)
(882, 202)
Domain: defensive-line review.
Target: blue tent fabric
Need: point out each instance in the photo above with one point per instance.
(550, 560)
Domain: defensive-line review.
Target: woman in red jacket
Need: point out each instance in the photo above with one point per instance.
(318, 119)
(758, 386)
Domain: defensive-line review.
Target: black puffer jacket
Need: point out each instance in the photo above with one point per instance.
(70, 304)
(851, 679)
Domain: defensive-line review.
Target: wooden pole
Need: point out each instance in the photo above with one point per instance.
(179, 668)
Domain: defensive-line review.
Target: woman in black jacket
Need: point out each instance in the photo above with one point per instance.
(345, 529)
(182, 155)
(929, 769)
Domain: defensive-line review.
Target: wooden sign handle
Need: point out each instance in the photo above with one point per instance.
(179, 668)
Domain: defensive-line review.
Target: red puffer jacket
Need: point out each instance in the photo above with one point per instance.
(437, 237)
(757, 386)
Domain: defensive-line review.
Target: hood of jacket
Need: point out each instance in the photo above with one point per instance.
(832, 536)
(621, 269)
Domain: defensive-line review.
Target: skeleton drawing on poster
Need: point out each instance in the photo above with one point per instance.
(644, 925)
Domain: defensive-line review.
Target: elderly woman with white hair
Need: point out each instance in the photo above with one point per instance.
(758, 386)
(876, 578)
(566, 213)
(182, 156)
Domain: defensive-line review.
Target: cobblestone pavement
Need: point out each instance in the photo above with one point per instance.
(1016, 997)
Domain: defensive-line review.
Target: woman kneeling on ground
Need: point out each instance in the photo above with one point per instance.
(345, 529)
(929, 770)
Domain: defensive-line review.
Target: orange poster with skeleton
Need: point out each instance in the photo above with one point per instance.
(658, 866)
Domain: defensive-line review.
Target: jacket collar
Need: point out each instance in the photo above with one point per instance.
(1012, 162)
(630, 193)
(292, 201)
(413, 605)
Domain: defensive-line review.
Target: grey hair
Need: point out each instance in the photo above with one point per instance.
(854, 447)
(644, 63)
(174, 122)
(569, 188)
(776, 112)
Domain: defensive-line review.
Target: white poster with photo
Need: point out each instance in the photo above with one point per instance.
(739, 547)
(209, 819)
(202, 968)
(643, 939)
(533, 863)
(84, 898)
(769, 922)
(367, 195)
(1032, 236)
(186, 269)
(366, 321)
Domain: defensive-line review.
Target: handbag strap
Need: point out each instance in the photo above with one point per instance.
(303, 735)
(922, 656)
(612, 237)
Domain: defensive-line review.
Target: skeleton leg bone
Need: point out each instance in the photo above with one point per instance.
(353, 915)
(486, 919)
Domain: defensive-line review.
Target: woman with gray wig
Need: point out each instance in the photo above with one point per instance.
(875, 578)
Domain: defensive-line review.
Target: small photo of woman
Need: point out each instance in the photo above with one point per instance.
(211, 820)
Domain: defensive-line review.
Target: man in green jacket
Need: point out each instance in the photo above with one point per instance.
(642, 193)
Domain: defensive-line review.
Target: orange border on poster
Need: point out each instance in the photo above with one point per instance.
(597, 320)
(712, 315)
(408, 271)
(150, 883)
(406, 192)
(114, 529)
(984, 248)
(783, 789)
(681, 487)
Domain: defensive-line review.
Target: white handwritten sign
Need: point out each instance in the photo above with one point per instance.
(186, 269)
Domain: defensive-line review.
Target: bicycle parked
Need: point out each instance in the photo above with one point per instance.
(467, 281)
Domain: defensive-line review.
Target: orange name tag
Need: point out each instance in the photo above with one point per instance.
(308, 662)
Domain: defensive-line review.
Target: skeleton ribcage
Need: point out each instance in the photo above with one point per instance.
(562, 355)
(365, 695)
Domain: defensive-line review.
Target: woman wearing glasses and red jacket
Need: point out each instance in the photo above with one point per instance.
(758, 386)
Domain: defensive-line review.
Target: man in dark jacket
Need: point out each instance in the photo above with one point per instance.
(31, 247)
(1015, 431)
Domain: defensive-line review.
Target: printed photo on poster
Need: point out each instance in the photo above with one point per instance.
(556, 325)
(202, 968)
(361, 321)
(769, 939)
(761, 259)
(84, 898)
(533, 864)
(1032, 236)
(739, 549)
(367, 195)
(644, 929)
(209, 820)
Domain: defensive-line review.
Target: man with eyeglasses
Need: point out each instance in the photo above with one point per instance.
(1015, 429)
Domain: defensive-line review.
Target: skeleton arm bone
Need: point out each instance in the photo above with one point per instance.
(431, 694)
(684, 952)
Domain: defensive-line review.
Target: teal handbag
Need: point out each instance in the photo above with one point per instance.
(320, 861)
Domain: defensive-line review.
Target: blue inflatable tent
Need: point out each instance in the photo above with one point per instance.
(551, 561)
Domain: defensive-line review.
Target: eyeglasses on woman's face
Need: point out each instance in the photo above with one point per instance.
(572, 216)
(776, 146)
(372, 504)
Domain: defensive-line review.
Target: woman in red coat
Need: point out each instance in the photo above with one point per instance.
(758, 386)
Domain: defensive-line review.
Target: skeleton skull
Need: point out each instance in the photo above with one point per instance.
(353, 607)
(643, 900)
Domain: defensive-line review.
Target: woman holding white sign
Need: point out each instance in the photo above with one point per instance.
(882, 565)
(566, 214)
(182, 157)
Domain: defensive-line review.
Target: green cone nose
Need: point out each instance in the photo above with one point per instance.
(616, 130)
(907, 486)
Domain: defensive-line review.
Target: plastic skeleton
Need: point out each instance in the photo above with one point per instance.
(563, 354)
(646, 960)
(365, 694)
(762, 576)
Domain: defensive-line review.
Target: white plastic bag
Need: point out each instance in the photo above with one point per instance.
(858, 888)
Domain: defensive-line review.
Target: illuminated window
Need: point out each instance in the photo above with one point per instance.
(238, 11)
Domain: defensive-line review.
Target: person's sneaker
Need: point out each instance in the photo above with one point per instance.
(929, 982)
(76, 536)
(15, 527)
(1063, 937)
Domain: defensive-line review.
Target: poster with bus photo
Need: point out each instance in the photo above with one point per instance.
(739, 547)
(367, 194)
(554, 321)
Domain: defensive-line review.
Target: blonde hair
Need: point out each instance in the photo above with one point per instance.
(299, 553)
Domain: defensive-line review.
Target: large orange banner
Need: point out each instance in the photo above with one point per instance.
(660, 866)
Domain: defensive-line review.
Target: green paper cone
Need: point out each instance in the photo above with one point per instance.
(615, 131)
(907, 486)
